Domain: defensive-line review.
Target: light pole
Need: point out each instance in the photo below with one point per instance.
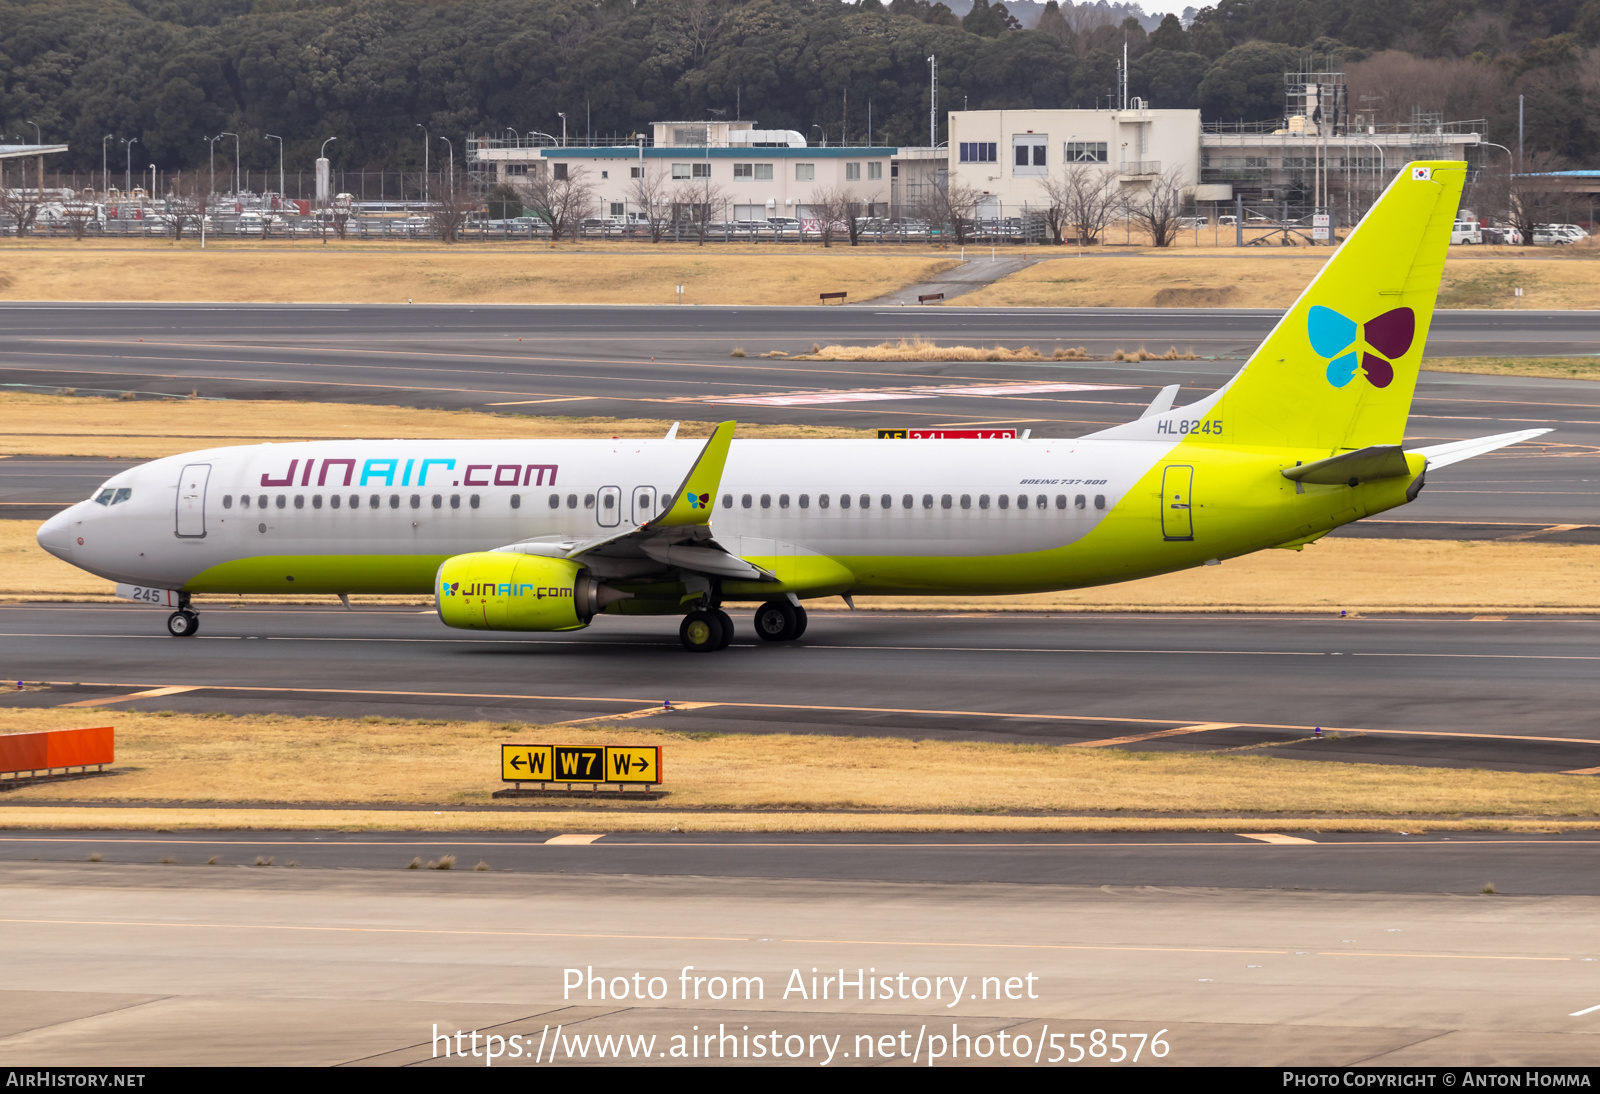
(563, 118)
(127, 176)
(37, 137)
(105, 170)
(425, 140)
(513, 133)
(322, 154)
(213, 141)
(823, 131)
(235, 137)
(451, 188)
(272, 137)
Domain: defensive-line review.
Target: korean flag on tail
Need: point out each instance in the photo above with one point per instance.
(1421, 174)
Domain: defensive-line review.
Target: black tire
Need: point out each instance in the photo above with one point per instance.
(775, 621)
(701, 632)
(183, 623)
(799, 622)
(727, 628)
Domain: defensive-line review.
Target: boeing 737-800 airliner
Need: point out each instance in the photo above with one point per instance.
(545, 535)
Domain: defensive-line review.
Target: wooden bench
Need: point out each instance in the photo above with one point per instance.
(827, 296)
(930, 296)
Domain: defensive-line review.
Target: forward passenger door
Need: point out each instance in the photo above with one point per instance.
(191, 514)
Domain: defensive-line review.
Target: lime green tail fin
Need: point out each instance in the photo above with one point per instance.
(1339, 370)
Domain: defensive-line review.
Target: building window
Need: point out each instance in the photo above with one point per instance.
(1258, 162)
(702, 170)
(763, 171)
(894, 170)
(636, 172)
(805, 172)
(558, 171)
(681, 170)
(516, 169)
(744, 170)
(874, 171)
(616, 208)
(852, 172)
(1086, 152)
(1028, 155)
(979, 152)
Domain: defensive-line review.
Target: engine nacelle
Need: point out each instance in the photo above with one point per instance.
(504, 591)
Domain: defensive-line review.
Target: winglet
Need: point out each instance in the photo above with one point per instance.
(696, 496)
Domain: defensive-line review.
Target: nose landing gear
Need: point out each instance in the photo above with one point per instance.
(183, 623)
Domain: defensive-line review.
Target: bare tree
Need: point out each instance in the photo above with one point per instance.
(649, 193)
(832, 206)
(855, 208)
(188, 204)
(20, 204)
(1056, 200)
(562, 201)
(451, 212)
(951, 205)
(77, 214)
(1090, 197)
(1158, 207)
(1523, 193)
(695, 207)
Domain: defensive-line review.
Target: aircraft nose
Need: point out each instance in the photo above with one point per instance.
(55, 534)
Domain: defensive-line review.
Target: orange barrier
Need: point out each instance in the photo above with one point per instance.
(55, 748)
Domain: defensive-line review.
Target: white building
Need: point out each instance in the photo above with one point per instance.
(744, 173)
(1005, 154)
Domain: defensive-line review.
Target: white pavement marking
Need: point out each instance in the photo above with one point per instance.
(571, 838)
(1274, 837)
(1586, 1010)
(153, 693)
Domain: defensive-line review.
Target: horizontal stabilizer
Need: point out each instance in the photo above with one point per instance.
(1379, 461)
(1162, 402)
(1443, 455)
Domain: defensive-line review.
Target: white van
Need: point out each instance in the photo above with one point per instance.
(1465, 231)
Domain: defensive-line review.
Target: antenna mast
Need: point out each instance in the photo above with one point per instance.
(933, 101)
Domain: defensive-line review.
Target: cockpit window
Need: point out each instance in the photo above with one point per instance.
(113, 496)
(122, 495)
(104, 497)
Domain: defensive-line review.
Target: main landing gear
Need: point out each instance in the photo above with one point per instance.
(780, 621)
(706, 630)
(183, 623)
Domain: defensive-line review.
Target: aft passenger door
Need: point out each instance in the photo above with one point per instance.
(191, 515)
(608, 506)
(1177, 522)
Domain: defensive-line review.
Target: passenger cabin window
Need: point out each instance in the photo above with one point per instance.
(766, 501)
(555, 501)
(1099, 501)
(1078, 502)
(805, 501)
(822, 501)
(783, 501)
(227, 501)
(316, 501)
(727, 501)
(516, 501)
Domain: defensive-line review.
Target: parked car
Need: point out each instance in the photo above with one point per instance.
(1465, 231)
(1510, 237)
(1553, 233)
(1191, 224)
(1227, 221)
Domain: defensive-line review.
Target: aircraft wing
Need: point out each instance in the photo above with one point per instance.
(1443, 455)
(680, 537)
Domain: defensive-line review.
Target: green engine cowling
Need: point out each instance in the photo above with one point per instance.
(505, 591)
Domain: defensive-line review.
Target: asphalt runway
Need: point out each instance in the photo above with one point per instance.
(130, 966)
(673, 363)
(1515, 694)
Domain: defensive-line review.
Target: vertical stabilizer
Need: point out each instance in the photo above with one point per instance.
(1339, 370)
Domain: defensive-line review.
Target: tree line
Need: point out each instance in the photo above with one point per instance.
(375, 73)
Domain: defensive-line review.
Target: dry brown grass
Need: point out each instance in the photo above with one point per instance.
(62, 425)
(279, 759)
(1356, 575)
(920, 349)
(119, 818)
(1251, 279)
(391, 273)
(1555, 368)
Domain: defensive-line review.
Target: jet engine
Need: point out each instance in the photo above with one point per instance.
(505, 591)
